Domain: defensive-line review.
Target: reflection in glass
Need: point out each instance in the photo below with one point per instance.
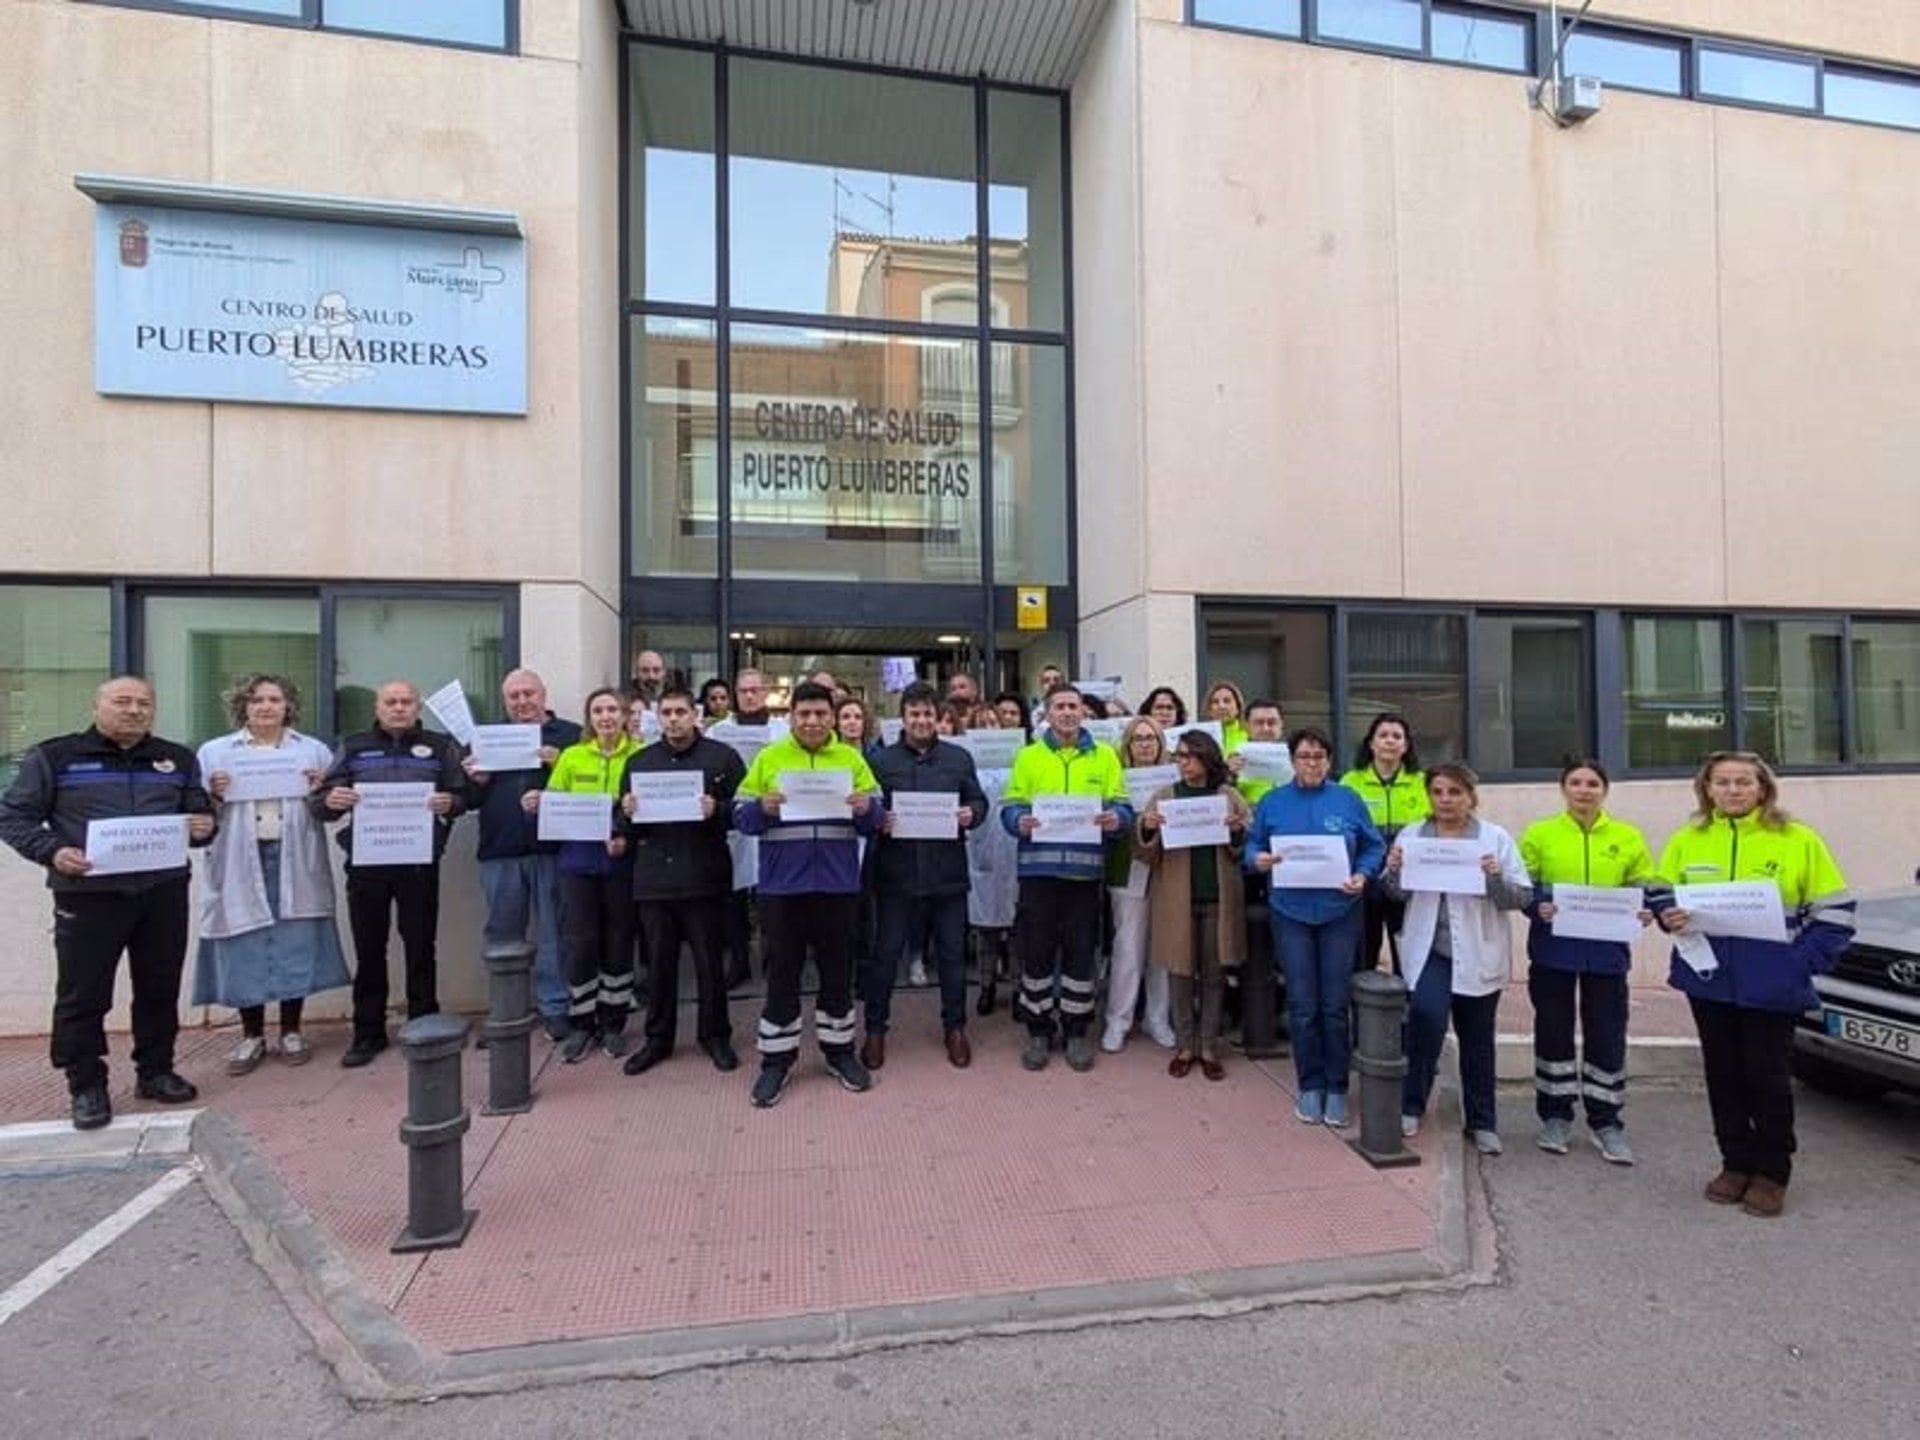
(847, 191)
(460, 22)
(1624, 60)
(1273, 17)
(1790, 697)
(1761, 79)
(1025, 198)
(1468, 36)
(854, 456)
(1533, 692)
(674, 459)
(195, 646)
(1414, 664)
(54, 651)
(687, 649)
(1886, 691)
(1029, 463)
(1676, 690)
(670, 174)
(1391, 23)
(1283, 655)
(426, 641)
(1880, 99)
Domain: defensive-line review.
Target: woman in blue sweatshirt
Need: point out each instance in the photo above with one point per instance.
(1315, 931)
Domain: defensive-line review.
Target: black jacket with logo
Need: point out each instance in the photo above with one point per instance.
(690, 860)
(926, 867)
(377, 757)
(67, 781)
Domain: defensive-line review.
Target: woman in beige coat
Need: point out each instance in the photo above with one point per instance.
(1192, 889)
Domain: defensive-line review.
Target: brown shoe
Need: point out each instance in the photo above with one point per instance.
(1212, 1068)
(1179, 1065)
(1765, 1198)
(873, 1051)
(959, 1049)
(1729, 1187)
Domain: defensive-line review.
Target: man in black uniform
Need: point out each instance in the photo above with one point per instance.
(117, 769)
(396, 749)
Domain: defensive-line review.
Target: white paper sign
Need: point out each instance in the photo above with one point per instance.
(992, 749)
(1143, 780)
(498, 749)
(449, 702)
(1266, 760)
(812, 795)
(1451, 867)
(746, 741)
(392, 824)
(565, 816)
(257, 773)
(1103, 731)
(1067, 820)
(1104, 689)
(1593, 912)
(1748, 909)
(994, 782)
(925, 815)
(136, 843)
(1205, 727)
(1187, 824)
(890, 731)
(1309, 862)
(667, 797)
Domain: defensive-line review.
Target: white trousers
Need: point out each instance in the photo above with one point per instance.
(1129, 962)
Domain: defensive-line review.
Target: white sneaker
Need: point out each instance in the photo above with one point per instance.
(1164, 1039)
(917, 973)
(294, 1048)
(1409, 1126)
(1486, 1142)
(1114, 1039)
(247, 1055)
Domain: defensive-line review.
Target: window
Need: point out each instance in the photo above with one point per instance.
(193, 647)
(670, 175)
(427, 641)
(55, 649)
(687, 649)
(1886, 691)
(1676, 690)
(1533, 691)
(1271, 17)
(1386, 24)
(1283, 655)
(1496, 39)
(1877, 98)
(1413, 663)
(1030, 465)
(1635, 62)
(477, 24)
(1791, 688)
(674, 456)
(1758, 79)
(1026, 194)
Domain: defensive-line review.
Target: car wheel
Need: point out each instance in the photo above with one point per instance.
(1831, 1079)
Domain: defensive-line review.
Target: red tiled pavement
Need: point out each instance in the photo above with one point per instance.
(625, 1205)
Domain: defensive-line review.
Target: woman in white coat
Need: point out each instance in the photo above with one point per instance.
(993, 882)
(1141, 743)
(267, 930)
(1456, 953)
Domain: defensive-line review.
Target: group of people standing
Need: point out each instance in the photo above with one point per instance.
(864, 851)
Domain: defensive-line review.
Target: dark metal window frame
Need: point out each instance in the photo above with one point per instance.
(312, 17)
(723, 600)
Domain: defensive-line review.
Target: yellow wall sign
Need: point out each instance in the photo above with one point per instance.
(1030, 607)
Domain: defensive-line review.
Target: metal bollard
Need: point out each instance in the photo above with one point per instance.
(1259, 989)
(1380, 1060)
(509, 1028)
(431, 1131)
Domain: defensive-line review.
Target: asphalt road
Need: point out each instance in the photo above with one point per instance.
(1625, 1307)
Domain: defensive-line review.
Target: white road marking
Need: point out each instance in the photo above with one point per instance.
(50, 1273)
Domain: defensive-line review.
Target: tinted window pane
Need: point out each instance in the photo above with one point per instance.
(1475, 37)
(1275, 17)
(1882, 99)
(1025, 203)
(670, 175)
(687, 649)
(1414, 664)
(1533, 692)
(54, 651)
(675, 505)
(1761, 79)
(464, 22)
(1392, 23)
(1791, 696)
(1886, 696)
(426, 641)
(279, 9)
(1640, 64)
(1283, 655)
(1029, 412)
(194, 647)
(851, 194)
(1676, 696)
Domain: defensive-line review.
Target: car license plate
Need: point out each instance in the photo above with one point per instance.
(1900, 1040)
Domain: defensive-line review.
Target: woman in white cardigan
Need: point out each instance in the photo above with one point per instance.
(267, 930)
(1455, 951)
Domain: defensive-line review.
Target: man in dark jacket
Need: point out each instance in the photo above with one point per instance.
(516, 866)
(116, 770)
(397, 750)
(682, 874)
(922, 884)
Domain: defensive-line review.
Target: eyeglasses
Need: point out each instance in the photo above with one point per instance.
(1185, 755)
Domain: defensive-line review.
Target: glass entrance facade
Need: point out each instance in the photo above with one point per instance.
(827, 428)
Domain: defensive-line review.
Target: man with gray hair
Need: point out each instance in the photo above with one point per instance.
(517, 873)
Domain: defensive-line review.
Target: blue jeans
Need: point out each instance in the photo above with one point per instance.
(1432, 1003)
(519, 889)
(940, 923)
(1318, 963)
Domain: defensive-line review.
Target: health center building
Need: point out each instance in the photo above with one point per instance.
(1542, 372)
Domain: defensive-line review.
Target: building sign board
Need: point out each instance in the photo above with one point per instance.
(209, 305)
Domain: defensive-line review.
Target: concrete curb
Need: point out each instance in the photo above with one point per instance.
(129, 1138)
